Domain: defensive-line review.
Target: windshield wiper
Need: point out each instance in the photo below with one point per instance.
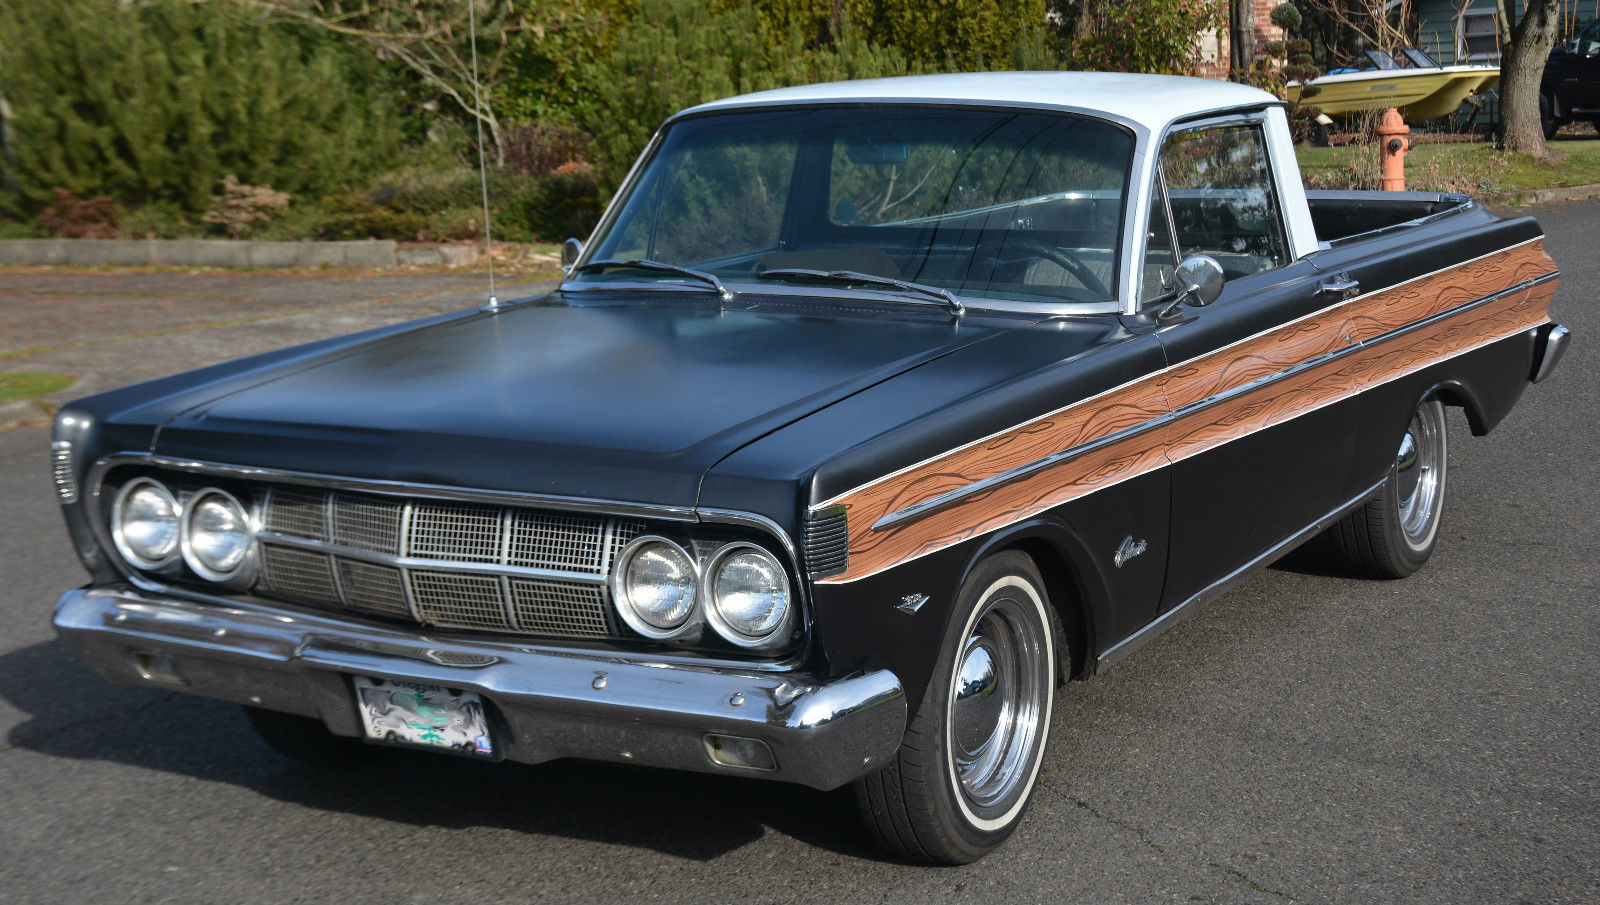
(661, 266)
(946, 299)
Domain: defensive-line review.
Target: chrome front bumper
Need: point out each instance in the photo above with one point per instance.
(554, 702)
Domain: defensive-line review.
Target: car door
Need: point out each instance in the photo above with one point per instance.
(1252, 464)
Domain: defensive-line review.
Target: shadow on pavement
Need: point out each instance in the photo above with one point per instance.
(73, 713)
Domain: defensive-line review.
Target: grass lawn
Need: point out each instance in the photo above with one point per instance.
(29, 384)
(1475, 168)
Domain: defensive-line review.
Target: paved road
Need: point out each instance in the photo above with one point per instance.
(1306, 738)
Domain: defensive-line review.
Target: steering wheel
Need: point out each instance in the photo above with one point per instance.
(1069, 262)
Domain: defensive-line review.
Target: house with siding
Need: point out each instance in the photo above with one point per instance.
(1466, 32)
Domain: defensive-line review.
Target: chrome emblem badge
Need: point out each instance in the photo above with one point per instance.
(1128, 549)
(911, 603)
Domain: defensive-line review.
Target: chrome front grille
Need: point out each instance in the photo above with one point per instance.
(298, 574)
(443, 563)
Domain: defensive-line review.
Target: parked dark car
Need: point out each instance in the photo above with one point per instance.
(870, 415)
(1570, 87)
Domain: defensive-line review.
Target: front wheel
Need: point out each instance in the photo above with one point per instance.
(1393, 533)
(971, 757)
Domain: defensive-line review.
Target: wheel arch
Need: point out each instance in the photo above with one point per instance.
(1075, 588)
(1455, 394)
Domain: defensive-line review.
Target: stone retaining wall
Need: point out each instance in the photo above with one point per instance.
(201, 253)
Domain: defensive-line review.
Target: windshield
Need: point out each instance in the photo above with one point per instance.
(985, 203)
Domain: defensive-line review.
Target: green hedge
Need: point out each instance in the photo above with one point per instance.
(152, 103)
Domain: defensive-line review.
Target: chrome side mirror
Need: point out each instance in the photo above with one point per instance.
(571, 250)
(1199, 280)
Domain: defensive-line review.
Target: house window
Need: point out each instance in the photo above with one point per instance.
(1479, 37)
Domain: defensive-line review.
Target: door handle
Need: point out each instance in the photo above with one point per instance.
(1341, 286)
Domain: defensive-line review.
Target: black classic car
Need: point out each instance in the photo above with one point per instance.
(871, 414)
(1570, 87)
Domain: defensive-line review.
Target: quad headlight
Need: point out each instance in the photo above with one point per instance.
(144, 523)
(653, 584)
(216, 535)
(748, 600)
(743, 594)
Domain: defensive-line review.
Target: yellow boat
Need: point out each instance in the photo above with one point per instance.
(1421, 91)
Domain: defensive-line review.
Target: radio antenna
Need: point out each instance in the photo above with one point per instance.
(483, 166)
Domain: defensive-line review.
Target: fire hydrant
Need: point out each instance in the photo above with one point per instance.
(1395, 146)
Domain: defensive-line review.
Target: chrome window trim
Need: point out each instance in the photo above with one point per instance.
(1152, 153)
(1128, 230)
(973, 304)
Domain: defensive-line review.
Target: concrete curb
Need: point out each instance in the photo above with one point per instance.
(196, 253)
(1542, 196)
(21, 411)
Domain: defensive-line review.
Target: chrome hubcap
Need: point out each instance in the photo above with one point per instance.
(1419, 465)
(999, 703)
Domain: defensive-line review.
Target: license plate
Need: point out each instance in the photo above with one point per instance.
(429, 716)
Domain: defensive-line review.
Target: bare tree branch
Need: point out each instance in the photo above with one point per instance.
(429, 37)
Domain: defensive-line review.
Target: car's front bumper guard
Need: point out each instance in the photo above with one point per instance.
(555, 703)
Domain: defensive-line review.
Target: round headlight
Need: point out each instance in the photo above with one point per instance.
(144, 523)
(749, 601)
(216, 534)
(653, 584)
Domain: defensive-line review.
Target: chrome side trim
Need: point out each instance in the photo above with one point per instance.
(1117, 652)
(1144, 377)
(954, 497)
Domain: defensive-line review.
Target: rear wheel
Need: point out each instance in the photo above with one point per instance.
(305, 739)
(1393, 533)
(971, 757)
(1547, 116)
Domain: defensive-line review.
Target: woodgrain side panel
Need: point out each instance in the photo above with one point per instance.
(1337, 329)
(1356, 321)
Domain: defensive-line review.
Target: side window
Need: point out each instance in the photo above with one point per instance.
(1160, 260)
(1219, 184)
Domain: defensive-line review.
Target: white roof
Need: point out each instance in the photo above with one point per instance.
(1148, 100)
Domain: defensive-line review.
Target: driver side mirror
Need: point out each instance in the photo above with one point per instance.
(570, 251)
(1198, 280)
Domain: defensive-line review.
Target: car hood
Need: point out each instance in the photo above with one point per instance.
(629, 402)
